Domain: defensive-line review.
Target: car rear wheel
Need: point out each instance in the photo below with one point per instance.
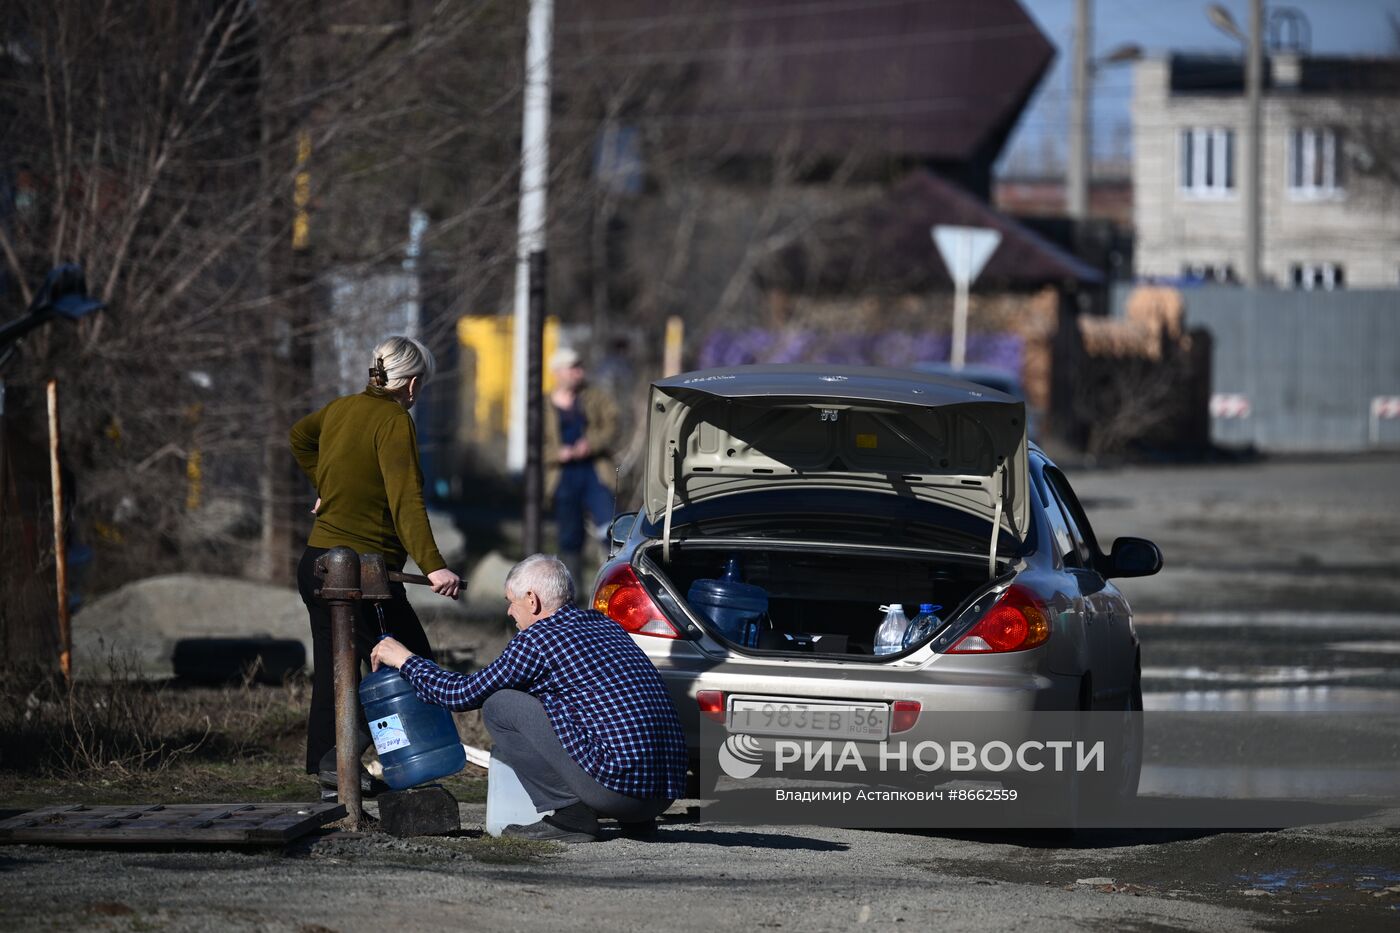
(1117, 784)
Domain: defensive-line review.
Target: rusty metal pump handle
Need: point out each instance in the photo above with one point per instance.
(397, 577)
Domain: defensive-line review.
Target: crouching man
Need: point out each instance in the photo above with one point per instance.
(572, 704)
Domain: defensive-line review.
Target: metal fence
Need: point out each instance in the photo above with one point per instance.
(1302, 371)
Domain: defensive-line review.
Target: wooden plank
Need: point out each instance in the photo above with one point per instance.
(201, 824)
(42, 815)
(284, 830)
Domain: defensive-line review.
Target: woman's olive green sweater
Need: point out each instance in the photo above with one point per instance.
(361, 452)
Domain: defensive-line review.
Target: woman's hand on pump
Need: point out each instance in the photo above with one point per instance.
(445, 583)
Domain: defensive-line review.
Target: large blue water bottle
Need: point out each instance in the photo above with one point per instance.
(417, 742)
(734, 607)
(923, 625)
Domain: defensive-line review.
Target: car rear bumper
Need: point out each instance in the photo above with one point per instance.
(985, 685)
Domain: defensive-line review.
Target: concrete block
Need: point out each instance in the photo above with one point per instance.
(418, 811)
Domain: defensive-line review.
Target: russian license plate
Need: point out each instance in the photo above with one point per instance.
(859, 721)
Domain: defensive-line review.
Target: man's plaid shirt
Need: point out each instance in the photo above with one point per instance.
(603, 696)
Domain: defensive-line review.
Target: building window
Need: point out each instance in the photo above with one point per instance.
(1314, 163)
(1207, 161)
(1221, 272)
(1317, 275)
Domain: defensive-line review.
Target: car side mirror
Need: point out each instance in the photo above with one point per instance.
(621, 528)
(1134, 557)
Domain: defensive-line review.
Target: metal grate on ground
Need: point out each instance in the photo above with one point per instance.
(169, 824)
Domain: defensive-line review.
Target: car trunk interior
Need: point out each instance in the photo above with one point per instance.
(819, 601)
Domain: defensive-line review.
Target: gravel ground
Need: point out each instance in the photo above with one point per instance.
(706, 877)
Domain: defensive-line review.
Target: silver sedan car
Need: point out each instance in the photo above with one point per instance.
(783, 506)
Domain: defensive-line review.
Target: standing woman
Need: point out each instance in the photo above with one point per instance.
(361, 452)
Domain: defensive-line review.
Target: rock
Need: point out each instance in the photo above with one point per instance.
(1094, 881)
(1255, 892)
(486, 586)
(419, 811)
(452, 544)
(135, 629)
(433, 610)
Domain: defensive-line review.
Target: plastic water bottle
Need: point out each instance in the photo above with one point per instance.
(889, 637)
(416, 741)
(507, 801)
(923, 625)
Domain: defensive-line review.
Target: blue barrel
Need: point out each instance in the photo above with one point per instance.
(734, 607)
(417, 742)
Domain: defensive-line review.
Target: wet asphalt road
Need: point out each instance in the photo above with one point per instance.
(1282, 592)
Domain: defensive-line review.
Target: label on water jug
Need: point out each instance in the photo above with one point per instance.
(388, 734)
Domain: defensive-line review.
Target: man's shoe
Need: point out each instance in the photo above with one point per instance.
(645, 829)
(546, 831)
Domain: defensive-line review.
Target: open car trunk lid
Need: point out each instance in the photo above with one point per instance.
(728, 432)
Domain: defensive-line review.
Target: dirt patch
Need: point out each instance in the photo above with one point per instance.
(368, 849)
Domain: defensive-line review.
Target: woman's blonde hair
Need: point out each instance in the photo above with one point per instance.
(399, 359)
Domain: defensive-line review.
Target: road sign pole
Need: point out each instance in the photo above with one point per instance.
(959, 351)
(965, 250)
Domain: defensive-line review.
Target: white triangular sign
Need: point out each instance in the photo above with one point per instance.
(965, 250)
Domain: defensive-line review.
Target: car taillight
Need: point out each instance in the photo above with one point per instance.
(711, 704)
(905, 715)
(621, 597)
(1015, 622)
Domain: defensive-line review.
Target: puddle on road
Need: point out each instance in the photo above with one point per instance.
(1271, 671)
(1369, 621)
(1324, 882)
(1365, 647)
(1264, 674)
(1300, 699)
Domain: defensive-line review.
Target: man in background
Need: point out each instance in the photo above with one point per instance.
(581, 433)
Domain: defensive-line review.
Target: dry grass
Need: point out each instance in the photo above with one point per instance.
(125, 725)
(127, 740)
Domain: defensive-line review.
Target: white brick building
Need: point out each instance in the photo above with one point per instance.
(1329, 218)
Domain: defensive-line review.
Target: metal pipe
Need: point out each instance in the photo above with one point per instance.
(339, 571)
(60, 550)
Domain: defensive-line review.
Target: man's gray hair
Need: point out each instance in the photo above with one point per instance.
(544, 575)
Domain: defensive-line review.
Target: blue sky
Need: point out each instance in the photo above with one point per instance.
(1339, 27)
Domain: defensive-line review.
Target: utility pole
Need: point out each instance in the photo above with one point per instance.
(534, 171)
(1254, 145)
(1080, 144)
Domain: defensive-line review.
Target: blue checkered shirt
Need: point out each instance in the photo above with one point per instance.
(603, 696)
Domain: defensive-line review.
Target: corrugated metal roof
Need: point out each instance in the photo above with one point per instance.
(887, 246)
(933, 79)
